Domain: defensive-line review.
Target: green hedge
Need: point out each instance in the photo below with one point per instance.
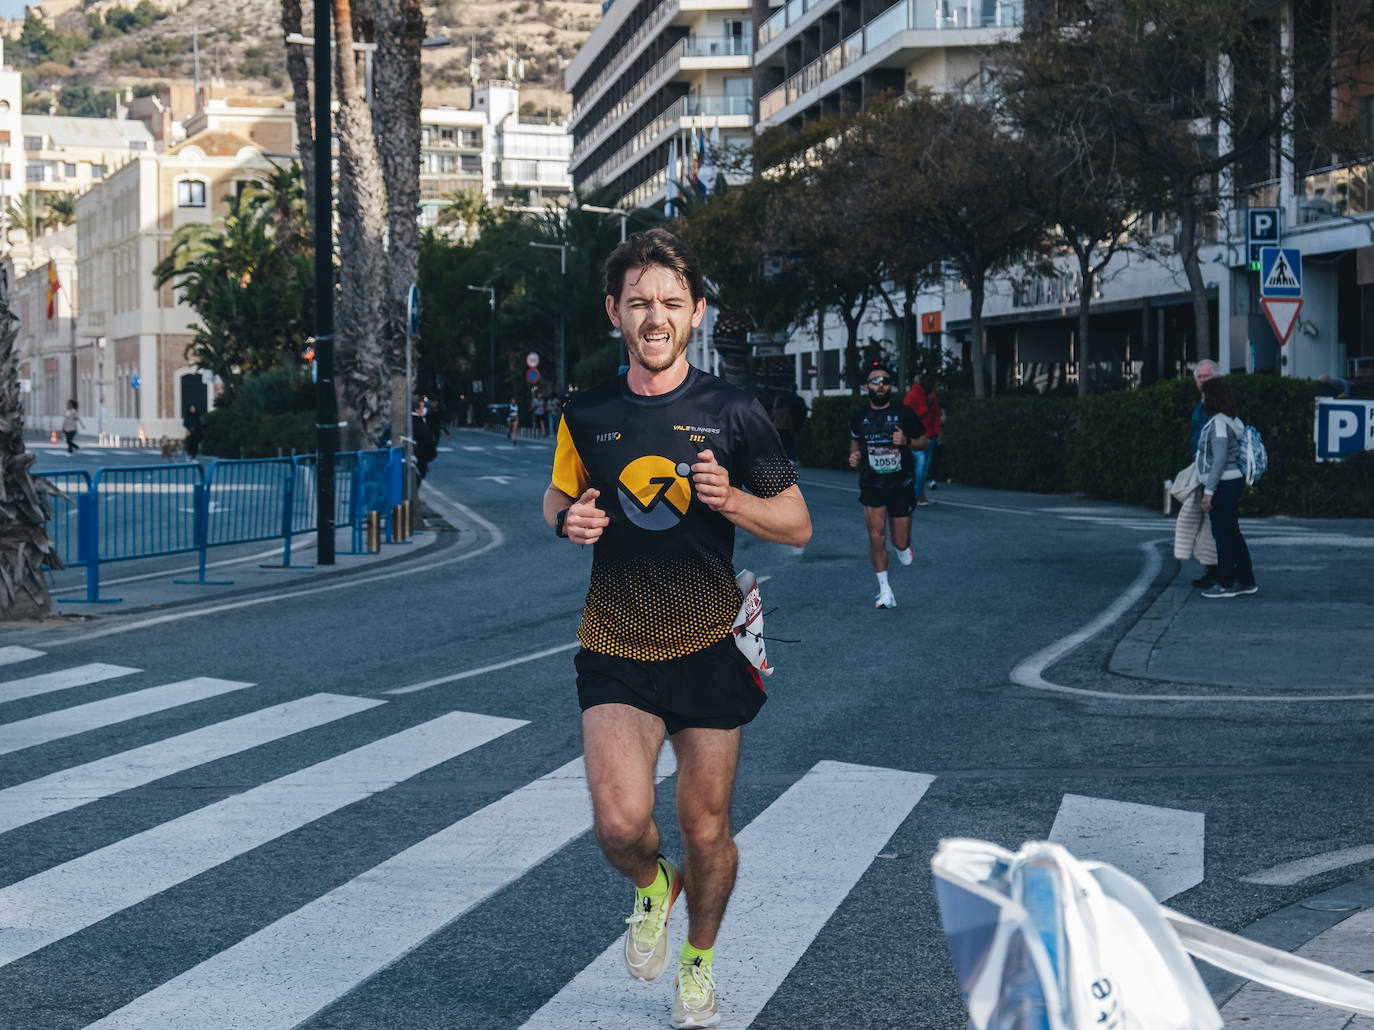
(1121, 446)
(273, 414)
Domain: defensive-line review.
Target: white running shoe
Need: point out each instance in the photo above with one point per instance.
(906, 557)
(885, 599)
(646, 940)
(695, 1002)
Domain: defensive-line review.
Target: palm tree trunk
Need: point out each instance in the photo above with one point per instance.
(400, 27)
(361, 365)
(24, 505)
(298, 71)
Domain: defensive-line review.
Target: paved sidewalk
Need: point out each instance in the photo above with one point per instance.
(1316, 572)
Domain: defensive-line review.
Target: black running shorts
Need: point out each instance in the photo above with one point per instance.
(715, 688)
(896, 493)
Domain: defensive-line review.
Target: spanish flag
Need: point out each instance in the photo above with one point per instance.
(53, 287)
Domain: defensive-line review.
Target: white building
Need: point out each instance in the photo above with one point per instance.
(650, 75)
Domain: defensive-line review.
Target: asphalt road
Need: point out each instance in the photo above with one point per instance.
(460, 887)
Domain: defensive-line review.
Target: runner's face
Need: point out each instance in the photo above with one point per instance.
(879, 388)
(656, 315)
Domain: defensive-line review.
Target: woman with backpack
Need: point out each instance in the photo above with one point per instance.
(1219, 471)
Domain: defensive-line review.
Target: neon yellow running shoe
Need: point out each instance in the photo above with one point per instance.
(695, 1004)
(646, 940)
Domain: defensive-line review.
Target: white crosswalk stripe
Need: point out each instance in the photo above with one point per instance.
(11, 654)
(821, 835)
(70, 788)
(784, 904)
(62, 679)
(57, 902)
(44, 729)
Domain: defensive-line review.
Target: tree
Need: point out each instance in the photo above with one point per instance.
(969, 193)
(466, 209)
(1089, 191)
(24, 498)
(81, 101)
(59, 209)
(297, 70)
(1200, 91)
(28, 212)
(250, 282)
(361, 361)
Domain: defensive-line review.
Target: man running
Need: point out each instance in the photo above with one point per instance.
(656, 468)
(881, 436)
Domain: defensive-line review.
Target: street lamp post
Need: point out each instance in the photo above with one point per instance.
(491, 340)
(562, 249)
(623, 212)
(326, 404)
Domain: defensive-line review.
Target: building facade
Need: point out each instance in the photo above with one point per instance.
(653, 78)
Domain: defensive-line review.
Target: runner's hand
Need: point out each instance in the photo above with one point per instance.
(585, 521)
(853, 459)
(898, 438)
(712, 482)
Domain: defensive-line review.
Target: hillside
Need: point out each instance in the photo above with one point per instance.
(240, 43)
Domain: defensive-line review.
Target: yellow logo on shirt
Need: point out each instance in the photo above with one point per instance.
(655, 491)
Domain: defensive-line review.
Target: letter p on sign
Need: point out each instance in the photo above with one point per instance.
(1344, 427)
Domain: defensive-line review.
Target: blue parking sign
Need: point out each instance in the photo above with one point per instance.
(1343, 428)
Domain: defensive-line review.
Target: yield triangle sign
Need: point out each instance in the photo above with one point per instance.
(1282, 313)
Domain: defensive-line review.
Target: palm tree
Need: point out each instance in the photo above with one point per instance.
(465, 208)
(249, 286)
(27, 212)
(59, 209)
(24, 499)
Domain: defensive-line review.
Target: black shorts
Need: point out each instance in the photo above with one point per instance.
(715, 688)
(896, 493)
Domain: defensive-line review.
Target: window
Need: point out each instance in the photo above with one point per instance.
(69, 170)
(138, 144)
(447, 135)
(33, 142)
(190, 193)
(472, 162)
(97, 171)
(471, 138)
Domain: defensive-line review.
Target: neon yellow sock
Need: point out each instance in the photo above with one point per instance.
(658, 888)
(691, 955)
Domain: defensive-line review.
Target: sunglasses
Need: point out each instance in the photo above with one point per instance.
(880, 381)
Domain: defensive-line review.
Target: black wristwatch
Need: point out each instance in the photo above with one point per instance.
(559, 528)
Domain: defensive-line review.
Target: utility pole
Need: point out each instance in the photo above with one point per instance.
(491, 340)
(326, 403)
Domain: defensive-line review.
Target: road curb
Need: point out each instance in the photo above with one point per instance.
(1131, 656)
(1294, 926)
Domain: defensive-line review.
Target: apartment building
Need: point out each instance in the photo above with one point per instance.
(491, 149)
(70, 155)
(652, 74)
(132, 335)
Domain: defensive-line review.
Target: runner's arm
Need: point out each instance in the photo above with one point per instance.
(585, 521)
(781, 519)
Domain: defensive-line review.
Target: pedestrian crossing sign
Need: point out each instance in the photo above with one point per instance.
(1280, 272)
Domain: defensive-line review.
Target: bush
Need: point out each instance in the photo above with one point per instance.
(824, 438)
(1121, 446)
(273, 413)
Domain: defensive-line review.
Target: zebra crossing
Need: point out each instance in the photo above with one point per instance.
(821, 834)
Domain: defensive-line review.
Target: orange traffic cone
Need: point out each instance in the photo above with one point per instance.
(53, 438)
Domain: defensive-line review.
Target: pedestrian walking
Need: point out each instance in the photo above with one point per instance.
(513, 420)
(882, 436)
(923, 400)
(71, 422)
(423, 445)
(541, 426)
(1218, 467)
(789, 412)
(656, 468)
(195, 430)
(1192, 528)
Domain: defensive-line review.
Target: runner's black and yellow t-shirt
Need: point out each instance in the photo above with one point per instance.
(663, 577)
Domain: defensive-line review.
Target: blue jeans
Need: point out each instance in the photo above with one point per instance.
(922, 468)
(1233, 557)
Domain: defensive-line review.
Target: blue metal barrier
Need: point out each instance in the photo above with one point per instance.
(151, 510)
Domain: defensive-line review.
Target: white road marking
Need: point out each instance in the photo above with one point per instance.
(1289, 873)
(60, 901)
(1160, 847)
(43, 729)
(799, 860)
(498, 539)
(70, 788)
(469, 447)
(1030, 672)
(534, 656)
(500, 480)
(62, 679)
(281, 975)
(12, 654)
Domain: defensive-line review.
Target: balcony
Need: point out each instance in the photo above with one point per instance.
(624, 54)
(690, 48)
(668, 122)
(925, 14)
(921, 15)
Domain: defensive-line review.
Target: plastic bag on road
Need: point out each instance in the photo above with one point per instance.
(1043, 941)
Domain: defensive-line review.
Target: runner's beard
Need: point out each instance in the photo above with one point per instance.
(659, 362)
